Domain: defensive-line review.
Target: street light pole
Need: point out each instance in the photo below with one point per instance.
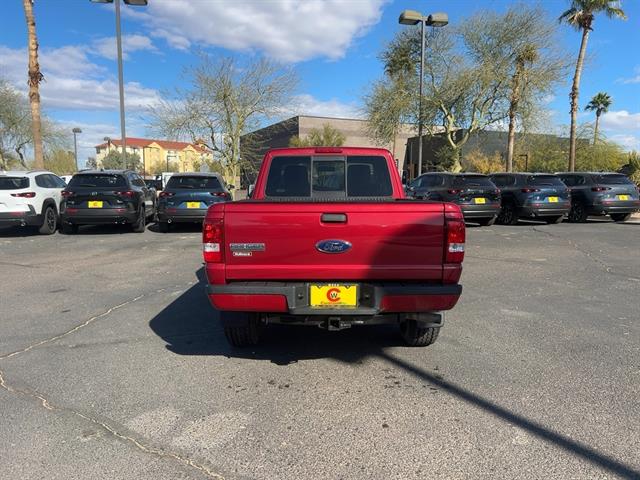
(411, 17)
(75, 131)
(140, 3)
(121, 85)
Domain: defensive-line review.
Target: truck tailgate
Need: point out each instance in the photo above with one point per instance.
(400, 240)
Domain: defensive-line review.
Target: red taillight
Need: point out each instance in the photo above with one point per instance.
(454, 192)
(24, 194)
(530, 190)
(328, 150)
(225, 195)
(497, 191)
(600, 189)
(166, 194)
(126, 193)
(212, 240)
(67, 193)
(455, 234)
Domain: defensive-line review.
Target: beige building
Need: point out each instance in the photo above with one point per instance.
(254, 145)
(159, 155)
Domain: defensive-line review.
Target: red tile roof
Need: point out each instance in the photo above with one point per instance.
(145, 142)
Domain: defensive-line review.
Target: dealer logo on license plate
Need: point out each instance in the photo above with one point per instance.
(333, 295)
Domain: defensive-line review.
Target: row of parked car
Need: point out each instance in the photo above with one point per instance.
(44, 201)
(507, 197)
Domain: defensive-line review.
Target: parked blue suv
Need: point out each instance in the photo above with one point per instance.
(601, 193)
(539, 196)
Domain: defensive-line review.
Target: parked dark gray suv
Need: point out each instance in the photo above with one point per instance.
(478, 197)
(540, 196)
(600, 193)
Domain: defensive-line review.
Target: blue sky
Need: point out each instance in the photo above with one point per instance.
(333, 45)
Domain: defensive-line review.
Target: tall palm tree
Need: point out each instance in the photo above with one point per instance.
(527, 55)
(580, 16)
(35, 77)
(600, 104)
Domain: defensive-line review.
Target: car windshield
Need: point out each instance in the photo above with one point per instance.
(545, 181)
(13, 183)
(194, 183)
(97, 180)
(613, 180)
(473, 181)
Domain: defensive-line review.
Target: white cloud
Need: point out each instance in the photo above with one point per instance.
(629, 142)
(72, 81)
(106, 46)
(635, 79)
(621, 120)
(287, 30)
(305, 104)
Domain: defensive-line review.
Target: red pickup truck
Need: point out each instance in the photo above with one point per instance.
(328, 238)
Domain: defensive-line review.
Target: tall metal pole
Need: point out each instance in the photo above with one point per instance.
(75, 148)
(121, 85)
(422, 22)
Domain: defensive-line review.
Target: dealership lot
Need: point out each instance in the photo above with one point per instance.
(113, 366)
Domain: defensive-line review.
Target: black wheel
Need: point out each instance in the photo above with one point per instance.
(163, 227)
(69, 228)
(416, 336)
(508, 215)
(578, 213)
(140, 224)
(50, 221)
(243, 335)
(554, 220)
(620, 217)
(486, 222)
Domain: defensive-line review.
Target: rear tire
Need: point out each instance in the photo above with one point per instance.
(486, 222)
(508, 215)
(140, 224)
(49, 222)
(578, 213)
(163, 227)
(243, 335)
(620, 217)
(416, 336)
(554, 220)
(69, 228)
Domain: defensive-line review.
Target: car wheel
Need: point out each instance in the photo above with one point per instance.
(578, 214)
(486, 222)
(140, 224)
(243, 335)
(69, 228)
(163, 227)
(620, 217)
(50, 221)
(416, 336)
(554, 220)
(508, 215)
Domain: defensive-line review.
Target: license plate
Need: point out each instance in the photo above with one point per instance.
(553, 199)
(480, 201)
(193, 204)
(333, 295)
(95, 204)
(623, 197)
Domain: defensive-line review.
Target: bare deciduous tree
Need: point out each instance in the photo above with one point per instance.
(223, 101)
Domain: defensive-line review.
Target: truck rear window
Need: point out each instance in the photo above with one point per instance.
(329, 177)
(13, 183)
(194, 183)
(99, 180)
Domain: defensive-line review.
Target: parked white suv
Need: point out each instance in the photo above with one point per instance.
(30, 199)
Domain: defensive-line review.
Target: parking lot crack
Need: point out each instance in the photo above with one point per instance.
(139, 444)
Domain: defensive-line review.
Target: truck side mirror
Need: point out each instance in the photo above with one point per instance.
(250, 189)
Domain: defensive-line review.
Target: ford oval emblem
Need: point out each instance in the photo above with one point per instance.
(333, 246)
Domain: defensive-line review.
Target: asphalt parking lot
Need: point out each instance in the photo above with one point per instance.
(113, 366)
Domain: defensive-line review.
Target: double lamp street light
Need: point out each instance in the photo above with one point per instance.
(411, 17)
(138, 3)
